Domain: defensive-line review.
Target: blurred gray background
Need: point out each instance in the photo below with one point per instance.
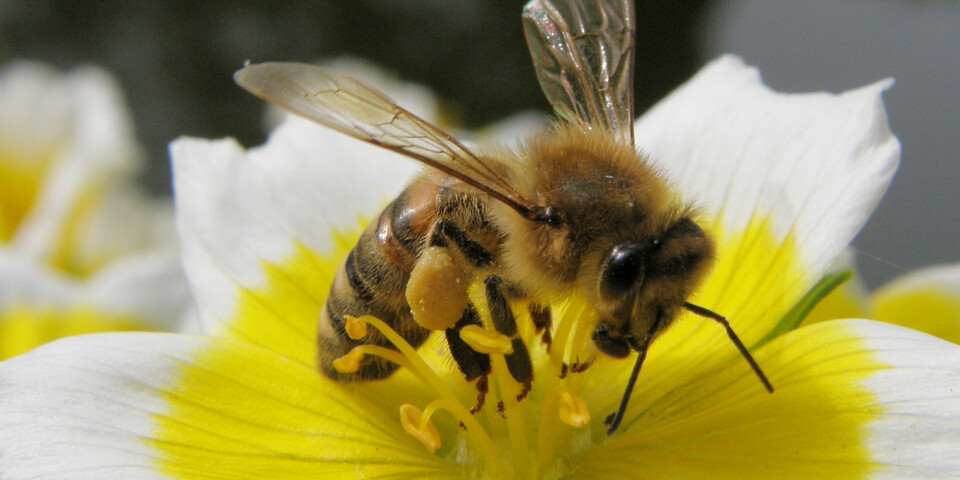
(175, 60)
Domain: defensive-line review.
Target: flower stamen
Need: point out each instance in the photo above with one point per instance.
(559, 347)
(350, 362)
(571, 338)
(571, 351)
(356, 329)
(516, 423)
(573, 410)
(419, 426)
(486, 341)
(408, 358)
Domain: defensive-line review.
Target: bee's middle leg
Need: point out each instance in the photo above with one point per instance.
(518, 362)
(473, 364)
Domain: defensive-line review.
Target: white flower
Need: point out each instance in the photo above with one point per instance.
(81, 248)
(787, 180)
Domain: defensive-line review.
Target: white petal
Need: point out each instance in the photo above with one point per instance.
(238, 208)
(918, 433)
(509, 131)
(81, 408)
(816, 164)
(129, 405)
(852, 397)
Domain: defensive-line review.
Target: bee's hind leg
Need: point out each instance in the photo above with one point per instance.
(437, 288)
(473, 251)
(470, 361)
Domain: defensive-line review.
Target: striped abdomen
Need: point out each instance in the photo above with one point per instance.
(373, 278)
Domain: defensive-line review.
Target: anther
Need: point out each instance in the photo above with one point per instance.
(350, 362)
(356, 328)
(573, 410)
(486, 341)
(413, 422)
(408, 357)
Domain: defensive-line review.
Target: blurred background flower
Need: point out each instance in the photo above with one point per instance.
(175, 61)
(926, 299)
(82, 248)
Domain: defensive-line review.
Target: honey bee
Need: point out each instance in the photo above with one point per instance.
(575, 211)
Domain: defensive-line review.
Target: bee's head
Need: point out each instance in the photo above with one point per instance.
(645, 279)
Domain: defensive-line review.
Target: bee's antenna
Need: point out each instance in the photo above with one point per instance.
(614, 419)
(703, 312)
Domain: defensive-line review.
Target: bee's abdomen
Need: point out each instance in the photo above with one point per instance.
(372, 281)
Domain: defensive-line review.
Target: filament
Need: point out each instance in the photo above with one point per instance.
(409, 358)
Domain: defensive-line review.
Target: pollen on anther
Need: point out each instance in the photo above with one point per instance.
(486, 341)
(355, 327)
(427, 434)
(573, 410)
(350, 362)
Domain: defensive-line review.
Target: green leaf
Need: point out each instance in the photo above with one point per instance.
(802, 308)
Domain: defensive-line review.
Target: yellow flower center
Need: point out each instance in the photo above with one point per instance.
(498, 436)
(259, 390)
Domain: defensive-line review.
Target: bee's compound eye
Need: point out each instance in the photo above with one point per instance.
(615, 347)
(623, 270)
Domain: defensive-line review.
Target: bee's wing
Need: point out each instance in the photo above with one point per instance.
(351, 107)
(583, 54)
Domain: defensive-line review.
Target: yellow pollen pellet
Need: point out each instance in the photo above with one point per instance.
(349, 363)
(355, 327)
(410, 419)
(573, 410)
(486, 341)
(437, 290)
